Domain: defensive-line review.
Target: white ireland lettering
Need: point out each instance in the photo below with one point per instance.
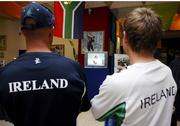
(10, 87)
(55, 83)
(45, 85)
(31, 85)
(17, 86)
(63, 83)
(26, 85)
(34, 85)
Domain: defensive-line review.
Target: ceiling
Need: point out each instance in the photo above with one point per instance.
(117, 4)
(119, 8)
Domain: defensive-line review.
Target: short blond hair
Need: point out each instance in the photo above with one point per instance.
(143, 28)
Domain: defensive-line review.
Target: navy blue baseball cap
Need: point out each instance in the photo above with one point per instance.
(42, 16)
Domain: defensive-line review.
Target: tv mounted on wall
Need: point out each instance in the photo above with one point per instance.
(96, 60)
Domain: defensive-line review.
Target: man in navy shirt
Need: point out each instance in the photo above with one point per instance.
(41, 88)
(175, 68)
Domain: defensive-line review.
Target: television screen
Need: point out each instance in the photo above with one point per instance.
(95, 59)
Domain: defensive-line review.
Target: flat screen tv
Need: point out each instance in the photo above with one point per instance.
(96, 60)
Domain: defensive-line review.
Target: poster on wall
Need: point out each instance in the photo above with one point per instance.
(2, 42)
(121, 61)
(2, 63)
(59, 49)
(92, 41)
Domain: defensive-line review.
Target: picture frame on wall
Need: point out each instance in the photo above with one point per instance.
(58, 48)
(2, 63)
(121, 61)
(2, 42)
(92, 41)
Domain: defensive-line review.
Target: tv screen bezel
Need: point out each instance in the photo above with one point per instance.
(92, 66)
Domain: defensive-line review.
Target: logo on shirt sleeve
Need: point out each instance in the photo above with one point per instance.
(37, 61)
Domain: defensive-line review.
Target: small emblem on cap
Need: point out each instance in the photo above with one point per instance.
(29, 12)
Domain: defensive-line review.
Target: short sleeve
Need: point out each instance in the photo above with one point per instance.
(85, 106)
(85, 102)
(106, 102)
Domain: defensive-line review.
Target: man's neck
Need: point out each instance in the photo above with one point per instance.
(37, 47)
(140, 57)
(38, 50)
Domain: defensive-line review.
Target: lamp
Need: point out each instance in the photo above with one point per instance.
(67, 2)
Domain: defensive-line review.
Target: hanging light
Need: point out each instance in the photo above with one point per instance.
(67, 2)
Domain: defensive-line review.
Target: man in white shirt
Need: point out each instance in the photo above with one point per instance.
(143, 94)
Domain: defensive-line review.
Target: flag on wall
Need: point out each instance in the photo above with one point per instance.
(69, 19)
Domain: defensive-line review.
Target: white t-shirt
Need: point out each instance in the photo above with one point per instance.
(141, 95)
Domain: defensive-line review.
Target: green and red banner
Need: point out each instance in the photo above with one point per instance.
(69, 19)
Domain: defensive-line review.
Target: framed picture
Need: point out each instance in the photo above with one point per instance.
(121, 61)
(2, 63)
(58, 49)
(2, 42)
(92, 41)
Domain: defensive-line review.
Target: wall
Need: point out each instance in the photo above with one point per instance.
(15, 41)
(10, 28)
(97, 20)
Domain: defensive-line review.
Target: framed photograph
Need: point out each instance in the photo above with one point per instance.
(92, 41)
(2, 42)
(59, 49)
(121, 61)
(2, 63)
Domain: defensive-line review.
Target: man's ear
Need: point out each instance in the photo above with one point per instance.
(125, 42)
(51, 32)
(124, 38)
